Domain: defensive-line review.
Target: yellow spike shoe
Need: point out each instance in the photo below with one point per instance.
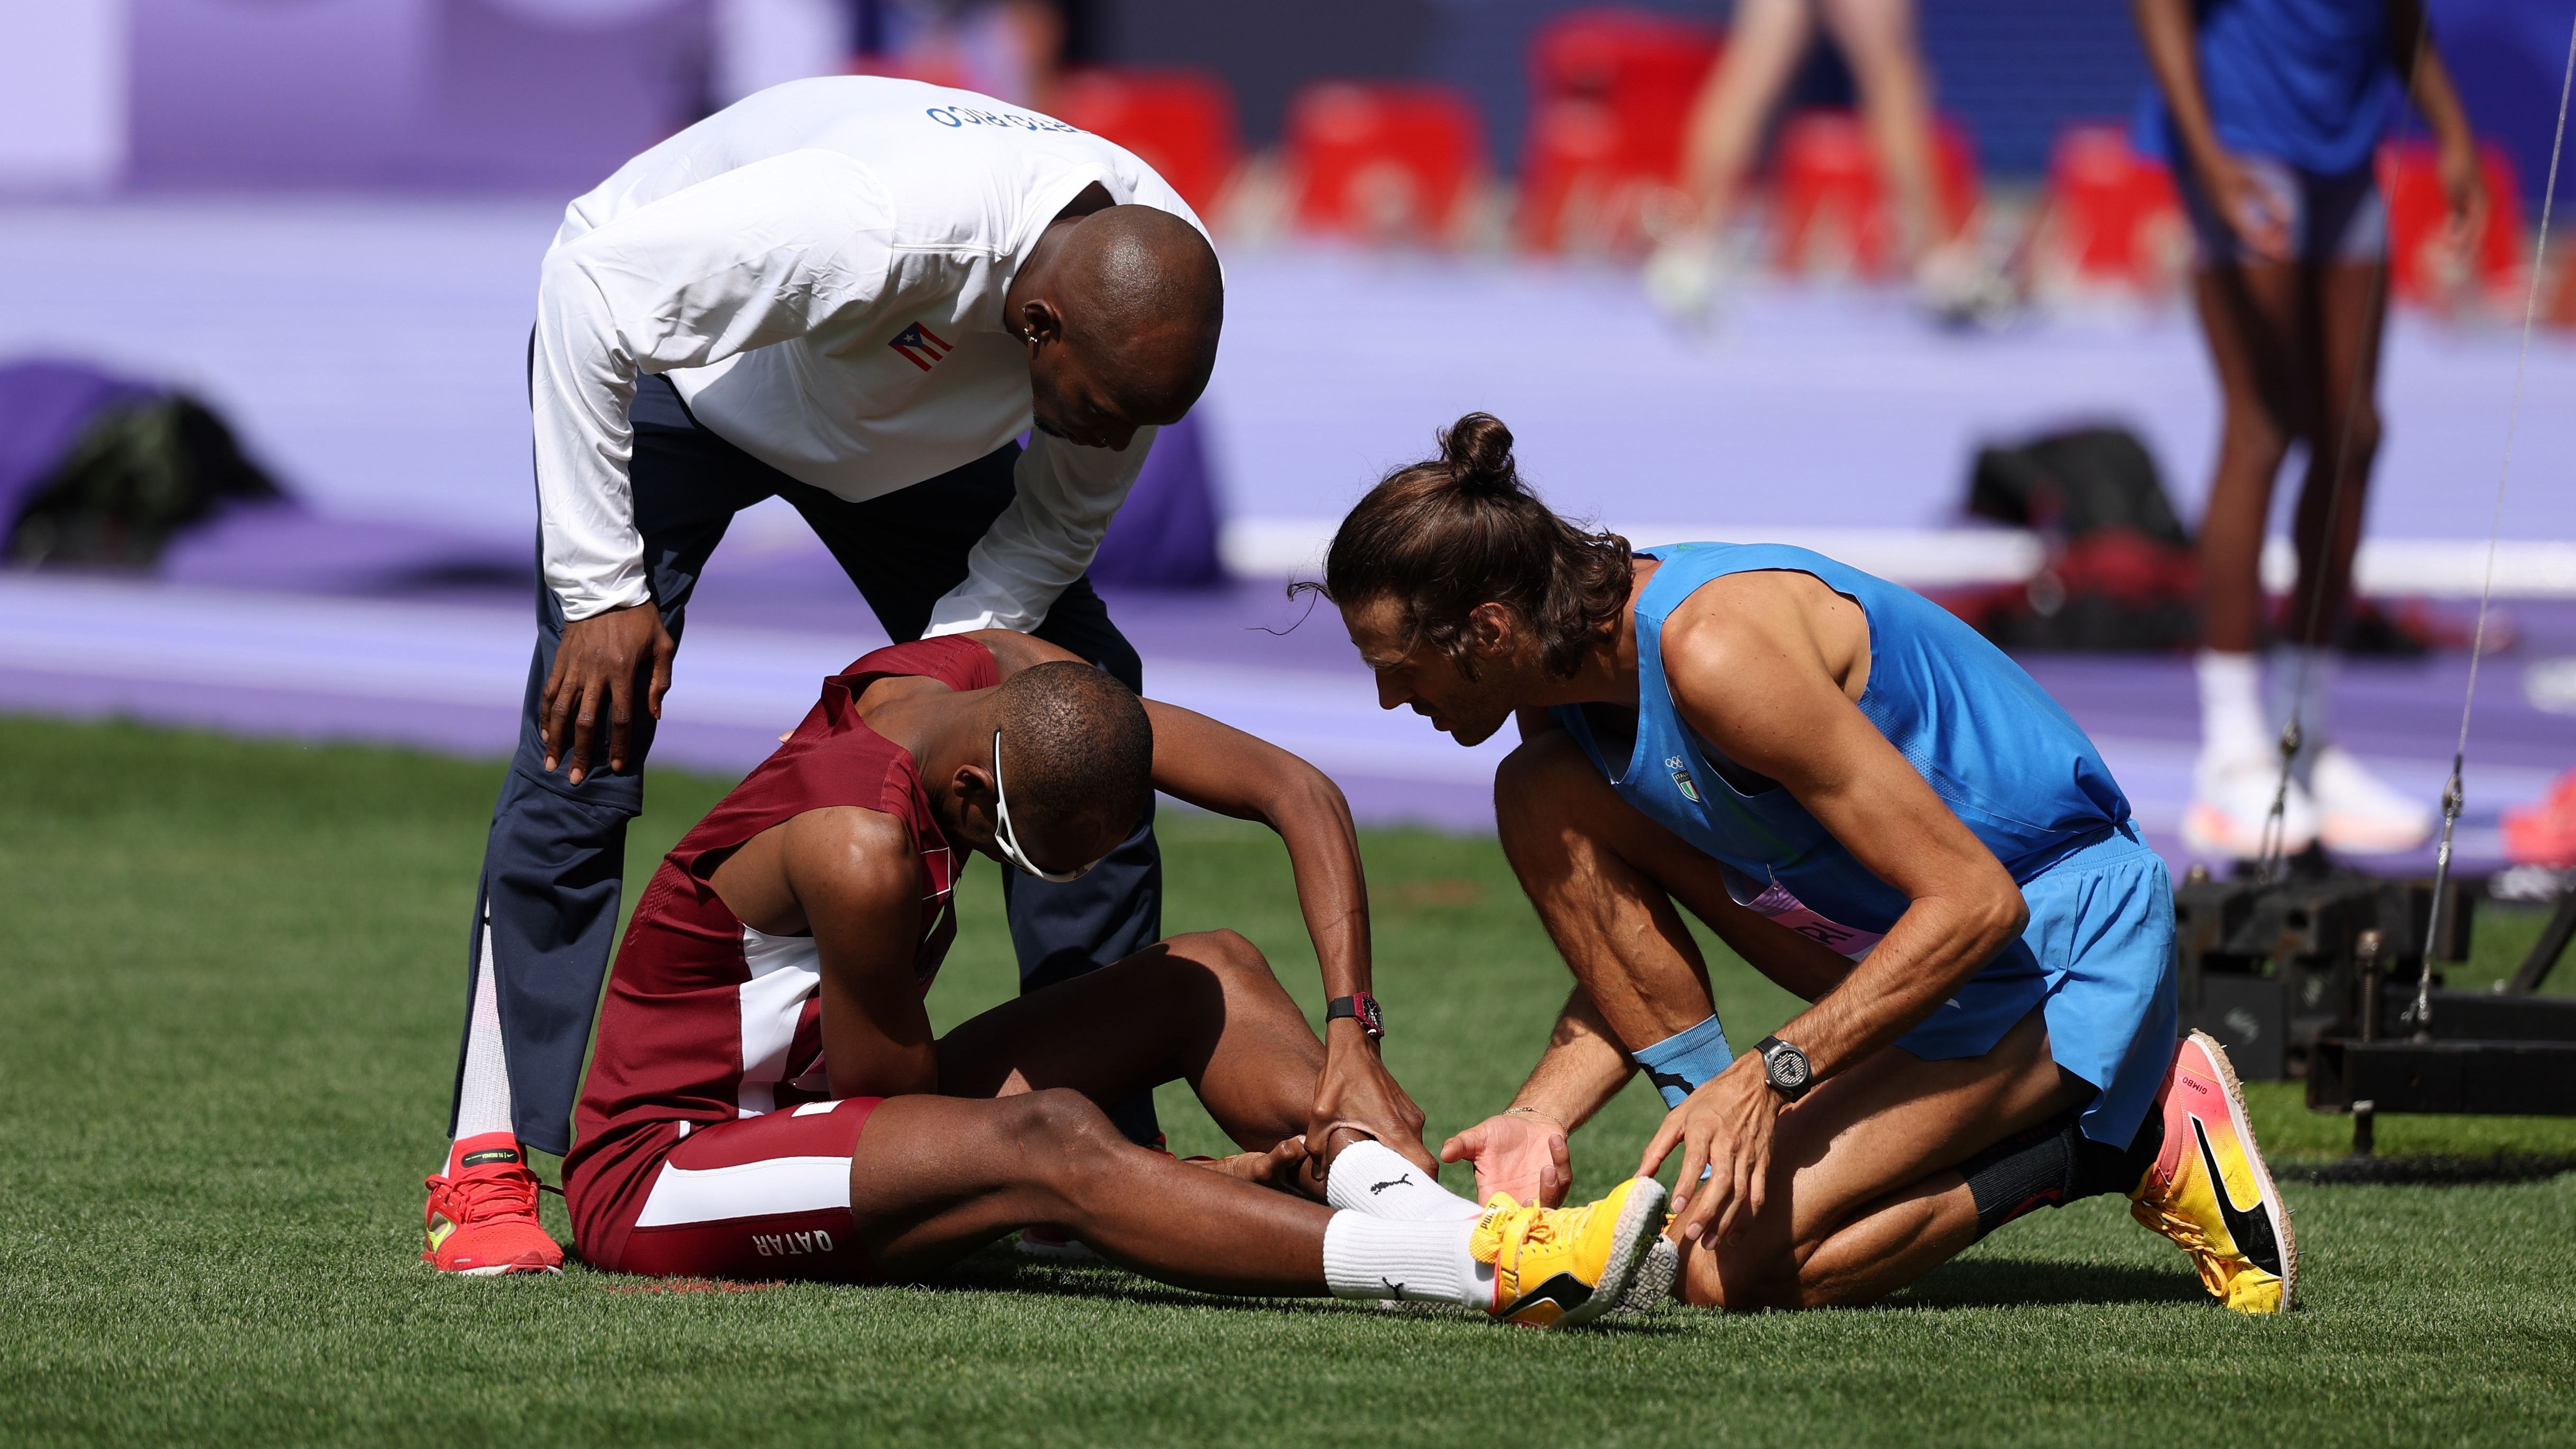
(1559, 1267)
(2210, 1192)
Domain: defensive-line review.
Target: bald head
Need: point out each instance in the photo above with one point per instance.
(1135, 296)
(1143, 298)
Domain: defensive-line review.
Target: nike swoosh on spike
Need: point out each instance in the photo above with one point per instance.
(2251, 1228)
(1564, 1290)
(1660, 1080)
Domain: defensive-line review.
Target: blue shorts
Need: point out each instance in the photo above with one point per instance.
(2098, 957)
(2330, 218)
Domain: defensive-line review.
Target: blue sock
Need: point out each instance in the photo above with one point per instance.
(1679, 1064)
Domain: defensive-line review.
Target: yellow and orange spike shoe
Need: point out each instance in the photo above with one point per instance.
(1560, 1267)
(2210, 1192)
(482, 1213)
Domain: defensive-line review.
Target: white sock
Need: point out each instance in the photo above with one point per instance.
(2231, 708)
(2316, 713)
(483, 1098)
(1366, 1257)
(1370, 1177)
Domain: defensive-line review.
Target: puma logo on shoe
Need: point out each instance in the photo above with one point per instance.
(1378, 1187)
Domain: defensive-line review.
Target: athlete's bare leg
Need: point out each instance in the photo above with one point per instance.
(2347, 307)
(934, 1178)
(1201, 1008)
(1763, 46)
(1862, 1199)
(1864, 1195)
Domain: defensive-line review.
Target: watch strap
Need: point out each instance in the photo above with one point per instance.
(1360, 1007)
(1766, 1049)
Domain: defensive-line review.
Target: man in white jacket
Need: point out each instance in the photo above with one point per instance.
(856, 294)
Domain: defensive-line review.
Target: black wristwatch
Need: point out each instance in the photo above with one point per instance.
(1362, 1008)
(1784, 1067)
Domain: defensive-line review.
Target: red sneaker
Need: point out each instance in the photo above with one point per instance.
(2544, 832)
(482, 1214)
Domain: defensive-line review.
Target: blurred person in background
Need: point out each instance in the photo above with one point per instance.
(1008, 49)
(2271, 113)
(1765, 43)
(854, 294)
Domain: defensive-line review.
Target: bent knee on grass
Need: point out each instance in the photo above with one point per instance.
(1225, 951)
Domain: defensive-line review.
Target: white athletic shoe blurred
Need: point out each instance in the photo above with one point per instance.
(1959, 287)
(2358, 813)
(1687, 278)
(2231, 798)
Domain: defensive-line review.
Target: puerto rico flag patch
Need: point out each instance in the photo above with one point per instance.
(920, 346)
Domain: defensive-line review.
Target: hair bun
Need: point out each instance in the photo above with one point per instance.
(1478, 450)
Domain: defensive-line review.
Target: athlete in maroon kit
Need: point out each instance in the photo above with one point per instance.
(766, 1098)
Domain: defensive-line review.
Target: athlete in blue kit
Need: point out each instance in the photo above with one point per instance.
(2271, 112)
(1873, 806)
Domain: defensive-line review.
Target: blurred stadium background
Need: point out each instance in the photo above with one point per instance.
(311, 227)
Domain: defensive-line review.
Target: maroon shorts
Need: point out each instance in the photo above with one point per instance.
(760, 1197)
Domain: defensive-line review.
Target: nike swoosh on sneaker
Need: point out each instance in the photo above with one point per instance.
(2251, 1228)
(1564, 1290)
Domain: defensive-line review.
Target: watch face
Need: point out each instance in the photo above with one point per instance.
(1789, 1066)
(1370, 1015)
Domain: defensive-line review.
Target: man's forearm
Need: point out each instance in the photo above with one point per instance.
(1582, 1069)
(1045, 539)
(1936, 946)
(1323, 854)
(2165, 30)
(2428, 80)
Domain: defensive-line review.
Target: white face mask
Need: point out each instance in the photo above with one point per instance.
(1007, 842)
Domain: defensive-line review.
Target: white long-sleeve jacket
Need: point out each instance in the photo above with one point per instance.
(819, 270)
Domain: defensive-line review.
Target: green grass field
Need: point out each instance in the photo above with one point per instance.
(233, 974)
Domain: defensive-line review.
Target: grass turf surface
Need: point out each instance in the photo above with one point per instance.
(234, 973)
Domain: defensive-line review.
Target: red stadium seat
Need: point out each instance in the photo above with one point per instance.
(2422, 266)
(2112, 214)
(1383, 161)
(1827, 203)
(1180, 122)
(1612, 93)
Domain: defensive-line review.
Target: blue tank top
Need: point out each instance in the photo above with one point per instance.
(1990, 742)
(2308, 82)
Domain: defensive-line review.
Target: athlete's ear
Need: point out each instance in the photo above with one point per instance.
(1040, 321)
(1492, 629)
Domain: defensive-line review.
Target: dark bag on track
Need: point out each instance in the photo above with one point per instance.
(139, 473)
(2120, 572)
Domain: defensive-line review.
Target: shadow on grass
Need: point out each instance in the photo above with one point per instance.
(2033, 1283)
(2431, 1169)
(998, 1269)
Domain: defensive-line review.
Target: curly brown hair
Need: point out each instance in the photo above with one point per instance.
(1447, 534)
